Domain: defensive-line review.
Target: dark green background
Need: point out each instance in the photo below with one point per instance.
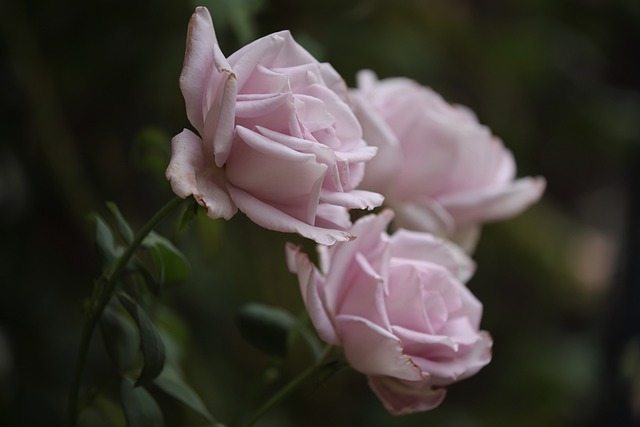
(89, 101)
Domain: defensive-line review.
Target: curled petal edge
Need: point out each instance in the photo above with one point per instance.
(189, 176)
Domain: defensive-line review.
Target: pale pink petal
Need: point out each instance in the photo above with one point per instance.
(495, 204)
(255, 105)
(429, 155)
(212, 196)
(427, 247)
(354, 199)
(417, 343)
(429, 216)
(361, 153)
(347, 127)
(299, 263)
(404, 397)
(331, 216)
(363, 295)
(333, 80)
(269, 147)
(187, 161)
(323, 153)
(386, 162)
(368, 230)
(188, 175)
(272, 218)
(262, 51)
(287, 179)
(220, 121)
(202, 69)
(463, 363)
(372, 350)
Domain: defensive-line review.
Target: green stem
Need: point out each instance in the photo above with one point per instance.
(105, 287)
(285, 391)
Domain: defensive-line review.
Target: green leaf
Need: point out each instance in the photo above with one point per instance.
(171, 265)
(310, 339)
(266, 328)
(104, 240)
(147, 277)
(153, 352)
(140, 409)
(174, 333)
(174, 385)
(123, 227)
(120, 336)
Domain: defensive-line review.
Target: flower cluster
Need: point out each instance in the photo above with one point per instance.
(281, 138)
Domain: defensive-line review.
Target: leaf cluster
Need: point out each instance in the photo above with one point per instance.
(131, 324)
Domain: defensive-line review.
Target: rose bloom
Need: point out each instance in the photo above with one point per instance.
(437, 167)
(398, 306)
(276, 138)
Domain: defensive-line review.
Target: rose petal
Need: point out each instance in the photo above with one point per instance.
(188, 176)
(404, 397)
(427, 247)
(220, 121)
(354, 199)
(424, 215)
(331, 216)
(203, 59)
(362, 294)
(299, 263)
(446, 369)
(494, 203)
(272, 218)
(337, 262)
(255, 105)
(385, 163)
(373, 350)
(187, 161)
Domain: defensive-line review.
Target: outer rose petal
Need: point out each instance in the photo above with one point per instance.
(374, 351)
(331, 216)
(467, 361)
(188, 176)
(404, 397)
(336, 261)
(495, 205)
(208, 86)
(272, 218)
(299, 263)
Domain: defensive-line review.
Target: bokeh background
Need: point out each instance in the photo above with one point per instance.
(89, 101)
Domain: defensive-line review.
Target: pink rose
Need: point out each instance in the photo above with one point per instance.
(276, 137)
(398, 306)
(439, 168)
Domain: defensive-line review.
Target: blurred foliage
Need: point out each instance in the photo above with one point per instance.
(89, 102)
